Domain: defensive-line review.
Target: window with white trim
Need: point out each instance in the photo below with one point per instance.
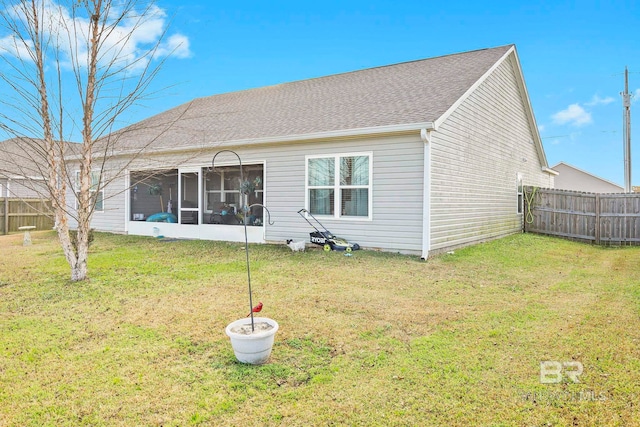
(339, 185)
(96, 191)
(519, 189)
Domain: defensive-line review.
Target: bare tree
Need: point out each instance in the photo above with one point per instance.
(74, 67)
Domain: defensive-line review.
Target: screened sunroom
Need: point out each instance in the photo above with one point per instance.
(197, 202)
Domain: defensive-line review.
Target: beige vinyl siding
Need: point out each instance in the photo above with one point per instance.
(112, 217)
(396, 223)
(476, 156)
(25, 188)
(396, 189)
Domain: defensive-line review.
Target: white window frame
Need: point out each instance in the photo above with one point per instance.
(101, 191)
(520, 194)
(337, 188)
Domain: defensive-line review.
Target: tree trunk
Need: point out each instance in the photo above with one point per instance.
(79, 271)
(57, 168)
(93, 39)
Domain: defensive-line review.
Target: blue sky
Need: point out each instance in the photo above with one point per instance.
(572, 54)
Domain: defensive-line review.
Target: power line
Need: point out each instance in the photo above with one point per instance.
(555, 136)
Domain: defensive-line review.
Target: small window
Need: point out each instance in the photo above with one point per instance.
(96, 190)
(520, 192)
(339, 185)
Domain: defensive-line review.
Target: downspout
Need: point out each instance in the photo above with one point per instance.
(425, 135)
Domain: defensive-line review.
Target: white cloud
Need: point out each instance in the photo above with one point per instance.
(127, 42)
(541, 128)
(177, 45)
(574, 115)
(596, 100)
(636, 95)
(14, 47)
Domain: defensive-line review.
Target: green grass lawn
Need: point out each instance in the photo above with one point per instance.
(372, 339)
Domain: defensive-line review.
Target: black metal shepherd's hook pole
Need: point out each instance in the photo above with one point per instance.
(244, 220)
(265, 208)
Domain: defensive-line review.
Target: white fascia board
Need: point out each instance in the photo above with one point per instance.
(338, 134)
(324, 135)
(550, 171)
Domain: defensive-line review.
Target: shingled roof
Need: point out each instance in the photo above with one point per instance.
(410, 92)
(23, 157)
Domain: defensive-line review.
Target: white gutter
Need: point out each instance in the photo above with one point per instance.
(324, 135)
(28, 178)
(550, 171)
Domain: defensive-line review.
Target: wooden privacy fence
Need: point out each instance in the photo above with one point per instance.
(600, 218)
(15, 213)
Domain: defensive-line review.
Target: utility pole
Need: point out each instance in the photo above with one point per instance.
(626, 120)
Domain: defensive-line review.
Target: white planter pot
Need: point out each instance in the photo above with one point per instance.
(254, 348)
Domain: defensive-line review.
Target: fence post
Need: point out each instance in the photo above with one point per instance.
(597, 230)
(6, 215)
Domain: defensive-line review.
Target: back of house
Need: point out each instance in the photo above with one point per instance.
(418, 157)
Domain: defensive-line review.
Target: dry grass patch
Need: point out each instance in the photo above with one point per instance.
(372, 339)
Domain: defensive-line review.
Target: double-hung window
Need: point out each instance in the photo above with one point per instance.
(96, 191)
(339, 185)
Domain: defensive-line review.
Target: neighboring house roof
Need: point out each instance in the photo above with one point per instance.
(411, 93)
(25, 158)
(16, 161)
(574, 178)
